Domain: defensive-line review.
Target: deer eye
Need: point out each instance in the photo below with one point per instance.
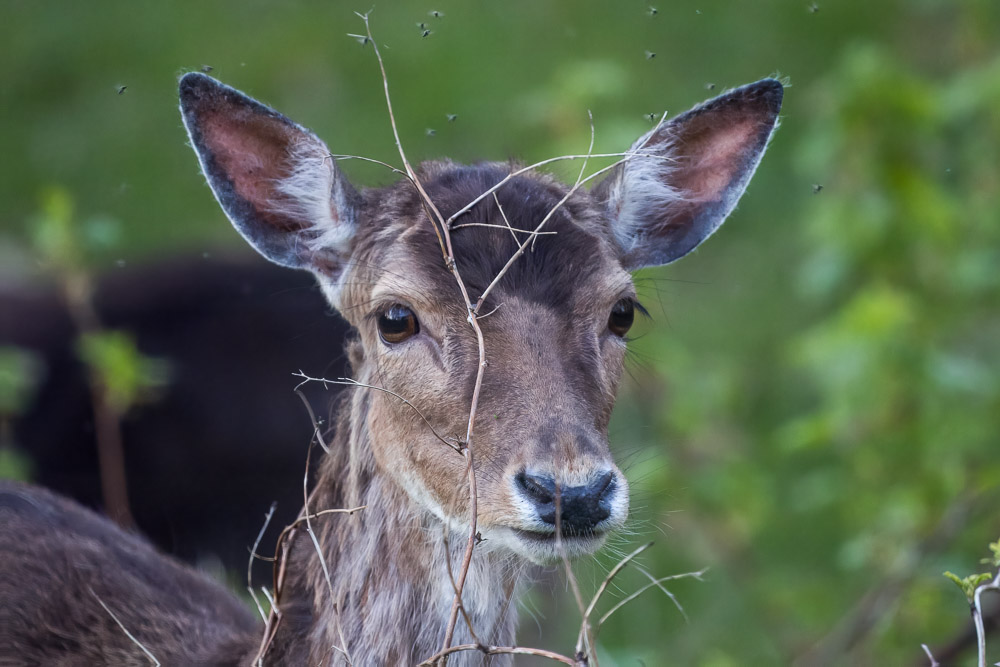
(622, 315)
(397, 324)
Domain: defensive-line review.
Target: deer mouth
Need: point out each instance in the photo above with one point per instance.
(545, 547)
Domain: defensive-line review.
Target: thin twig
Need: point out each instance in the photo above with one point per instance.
(654, 582)
(267, 594)
(673, 598)
(322, 556)
(574, 586)
(541, 163)
(354, 383)
(290, 528)
(444, 239)
(253, 555)
(579, 177)
(339, 157)
(454, 585)
(485, 315)
(486, 224)
(548, 216)
(977, 616)
(603, 587)
(128, 634)
(317, 434)
(497, 650)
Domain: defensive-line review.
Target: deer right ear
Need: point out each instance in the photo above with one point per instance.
(274, 179)
(683, 178)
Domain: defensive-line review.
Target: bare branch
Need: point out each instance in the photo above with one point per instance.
(152, 658)
(253, 555)
(267, 594)
(977, 615)
(486, 224)
(930, 656)
(673, 598)
(485, 315)
(354, 383)
(454, 586)
(339, 157)
(548, 216)
(541, 163)
(653, 582)
(312, 418)
(571, 578)
(579, 178)
(505, 220)
(497, 650)
(600, 591)
(322, 557)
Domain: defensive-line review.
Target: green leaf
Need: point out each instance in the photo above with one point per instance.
(995, 560)
(969, 583)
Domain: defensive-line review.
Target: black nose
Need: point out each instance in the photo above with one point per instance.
(580, 507)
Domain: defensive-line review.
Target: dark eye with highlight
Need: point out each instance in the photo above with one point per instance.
(397, 324)
(622, 316)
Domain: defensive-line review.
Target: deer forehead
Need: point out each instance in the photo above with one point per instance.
(570, 268)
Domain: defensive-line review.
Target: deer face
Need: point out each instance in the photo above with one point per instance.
(554, 341)
(553, 326)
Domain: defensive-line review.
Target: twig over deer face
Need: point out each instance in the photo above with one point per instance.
(555, 337)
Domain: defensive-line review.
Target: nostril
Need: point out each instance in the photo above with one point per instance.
(577, 509)
(539, 489)
(602, 486)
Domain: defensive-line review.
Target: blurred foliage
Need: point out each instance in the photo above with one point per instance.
(19, 373)
(814, 410)
(125, 373)
(63, 243)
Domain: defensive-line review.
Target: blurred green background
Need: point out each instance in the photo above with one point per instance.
(813, 411)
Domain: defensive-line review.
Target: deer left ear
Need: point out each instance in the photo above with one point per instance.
(275, 180)
(684, 178)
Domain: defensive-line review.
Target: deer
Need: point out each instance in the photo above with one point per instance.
(369, 573)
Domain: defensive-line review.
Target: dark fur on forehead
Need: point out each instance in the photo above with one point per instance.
(549, 274)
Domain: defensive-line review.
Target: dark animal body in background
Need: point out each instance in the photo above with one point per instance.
(210, 451)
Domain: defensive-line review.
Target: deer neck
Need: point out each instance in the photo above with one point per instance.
(387, 565)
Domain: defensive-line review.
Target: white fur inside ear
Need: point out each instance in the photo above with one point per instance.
(642, 191)
(314, 194)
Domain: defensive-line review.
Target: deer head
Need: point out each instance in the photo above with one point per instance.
(555, 335)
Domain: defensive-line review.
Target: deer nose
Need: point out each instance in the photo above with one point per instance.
(581, 508)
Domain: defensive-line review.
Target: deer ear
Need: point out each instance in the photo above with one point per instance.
(683, 178)
(274, 179)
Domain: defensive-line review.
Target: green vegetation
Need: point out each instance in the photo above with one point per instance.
(813, 411)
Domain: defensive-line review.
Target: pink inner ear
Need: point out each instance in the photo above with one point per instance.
(710, 156)
(253, 151)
